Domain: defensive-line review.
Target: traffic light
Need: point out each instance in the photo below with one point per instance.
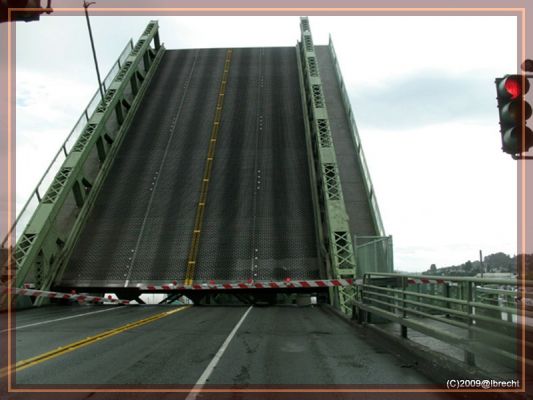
(33, 14)
(514, 111)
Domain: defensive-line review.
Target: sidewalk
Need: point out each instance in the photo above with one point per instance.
(493, 368)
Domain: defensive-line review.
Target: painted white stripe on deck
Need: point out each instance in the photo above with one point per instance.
(209, 370)
(58, 319)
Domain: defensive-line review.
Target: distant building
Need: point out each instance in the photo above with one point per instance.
(497, 275)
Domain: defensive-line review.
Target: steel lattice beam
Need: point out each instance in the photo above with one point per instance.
(334, 217)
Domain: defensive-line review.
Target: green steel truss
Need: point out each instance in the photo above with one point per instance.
(43, 249)
(333, 218)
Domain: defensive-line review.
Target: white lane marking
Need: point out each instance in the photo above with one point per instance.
(58, 319)
(209, 369)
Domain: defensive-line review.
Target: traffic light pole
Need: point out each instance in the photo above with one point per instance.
(86, 6)
(521, 157)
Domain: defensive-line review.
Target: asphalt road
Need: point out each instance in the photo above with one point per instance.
(271, 346)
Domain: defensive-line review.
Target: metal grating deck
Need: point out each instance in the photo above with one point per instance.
(258, 222)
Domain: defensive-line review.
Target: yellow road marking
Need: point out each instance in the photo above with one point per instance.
(193, 251)
(30, 362)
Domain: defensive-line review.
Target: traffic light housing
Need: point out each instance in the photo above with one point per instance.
(514, 111)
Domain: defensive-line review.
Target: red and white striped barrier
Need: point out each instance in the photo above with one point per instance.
(68, 296)
(251, 285)
(413, 281)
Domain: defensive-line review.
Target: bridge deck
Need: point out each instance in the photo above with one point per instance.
(283, 345)
(258, 221)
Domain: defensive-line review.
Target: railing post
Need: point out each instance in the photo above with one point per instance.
(418, 290)
(367, 314)
(469, 297)
(146, 61)
(119, 113)
(447, 295)
(157, 42)
(509, 300)
(404, 306)
(78, 194)
(134, 86)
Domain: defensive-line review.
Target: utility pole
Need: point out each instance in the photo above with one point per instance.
(86, 5)
(482, 267)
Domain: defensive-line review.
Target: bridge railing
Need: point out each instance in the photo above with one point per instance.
(481, 317)
(373, 254)
(44, 244)
(24, 215)
(371, 195)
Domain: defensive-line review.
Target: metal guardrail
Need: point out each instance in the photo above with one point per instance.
(371, 195)
(481, 316)
(42, 186)
(373, 254)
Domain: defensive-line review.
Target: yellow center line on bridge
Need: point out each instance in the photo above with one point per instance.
(197, 230)
(30, 362)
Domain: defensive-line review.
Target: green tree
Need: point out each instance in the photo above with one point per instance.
(499, 262)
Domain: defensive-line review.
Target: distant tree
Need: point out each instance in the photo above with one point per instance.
(468, 266)
(499, 262)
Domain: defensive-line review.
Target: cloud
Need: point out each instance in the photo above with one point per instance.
(446, 190)
(424, 98)
(48, 106)
(48, 100)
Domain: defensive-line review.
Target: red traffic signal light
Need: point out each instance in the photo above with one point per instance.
(510, 87)
(513, 87)
(514, 111)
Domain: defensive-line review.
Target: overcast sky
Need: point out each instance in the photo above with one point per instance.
(422, 90)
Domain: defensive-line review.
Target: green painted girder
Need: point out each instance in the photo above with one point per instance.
(335, 219)
(45, 245)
